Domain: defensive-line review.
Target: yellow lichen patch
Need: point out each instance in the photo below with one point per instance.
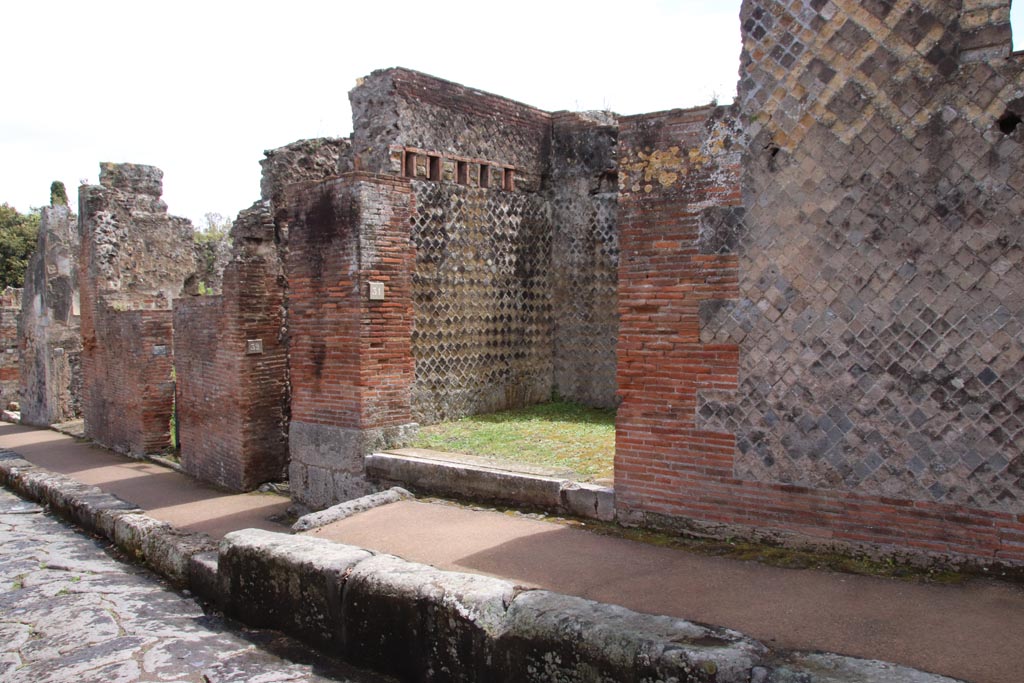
(664, 166)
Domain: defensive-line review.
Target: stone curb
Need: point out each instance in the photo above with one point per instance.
(165, 549)
(416, 622)
(344, 510)
(479, 482)
(422, 623)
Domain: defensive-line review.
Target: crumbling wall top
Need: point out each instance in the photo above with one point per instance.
(312, 159)
(252, 233)
(134, 178)
(133, 252)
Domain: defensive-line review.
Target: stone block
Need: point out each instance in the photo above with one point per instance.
(291, 583)
(552, 637)
(420, 623)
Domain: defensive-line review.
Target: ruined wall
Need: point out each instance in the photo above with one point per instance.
(582, 190)
(396, 110)
(134, 259)
(50, 341)
(351, 357)
(877, 315)
(498, 237)
(299, 161)
(230, 363)
(211, 256)
(10, 308)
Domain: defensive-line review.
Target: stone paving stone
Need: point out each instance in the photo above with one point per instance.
(71, 612)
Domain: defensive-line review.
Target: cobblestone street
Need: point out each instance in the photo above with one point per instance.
(70, 612)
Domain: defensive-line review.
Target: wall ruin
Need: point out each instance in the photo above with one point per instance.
(134, 260)
(513, 223)
(10, 309)
(230, 365)
(50, 341)
(861, 381)
(351, 358)
(231, 347)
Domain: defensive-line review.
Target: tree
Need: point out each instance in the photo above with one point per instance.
(18, 235)
(58, 194)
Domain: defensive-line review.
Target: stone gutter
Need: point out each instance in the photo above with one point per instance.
(423, 624)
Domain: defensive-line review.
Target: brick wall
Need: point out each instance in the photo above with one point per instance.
(10, 308)
(675, 168)
(50, 341)
(351, 358)
(232, 400)
(134, 259)
(860, 381)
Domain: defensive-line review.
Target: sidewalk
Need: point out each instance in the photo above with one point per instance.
(972, 631)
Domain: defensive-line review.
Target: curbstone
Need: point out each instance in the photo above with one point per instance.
(165, 549)
(589, 500)
(290, 583)
(832, 668)
(560, 637)
(203, 579)
(420, 623)
(349, 508)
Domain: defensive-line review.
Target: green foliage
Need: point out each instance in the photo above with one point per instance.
(216, 229)
(554, 434)
(18, 234)
(58, 194)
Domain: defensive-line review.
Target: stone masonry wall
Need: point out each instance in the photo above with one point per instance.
(231, 362)
(50, 341)
(482, 335)
(583, 193)
(133, 262)
(351, 357)
(398, 109)
(10, 308)
(876, 393)
(497, 242)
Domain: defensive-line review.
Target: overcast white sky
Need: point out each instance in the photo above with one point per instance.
(200, 89)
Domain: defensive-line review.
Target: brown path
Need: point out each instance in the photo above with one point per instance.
(973, 631)
(164, 494)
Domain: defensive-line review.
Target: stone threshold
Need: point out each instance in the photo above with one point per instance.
(491, 480)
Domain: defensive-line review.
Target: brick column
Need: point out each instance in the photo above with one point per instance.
(351, 361)
(674, 166)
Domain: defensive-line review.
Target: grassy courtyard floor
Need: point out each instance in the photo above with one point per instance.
(555, 434)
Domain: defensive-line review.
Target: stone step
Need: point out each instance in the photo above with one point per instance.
(491, 480)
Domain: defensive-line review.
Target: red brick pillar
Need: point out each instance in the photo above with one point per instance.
(673, 166)
(351, 355)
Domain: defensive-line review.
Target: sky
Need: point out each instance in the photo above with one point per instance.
(201, 89)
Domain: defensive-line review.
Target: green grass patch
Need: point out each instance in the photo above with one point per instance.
(555, 434)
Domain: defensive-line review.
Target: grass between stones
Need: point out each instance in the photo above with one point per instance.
(554, 434)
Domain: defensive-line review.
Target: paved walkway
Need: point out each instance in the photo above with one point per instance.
(71, 613)
(164, 494)
(973, 631)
